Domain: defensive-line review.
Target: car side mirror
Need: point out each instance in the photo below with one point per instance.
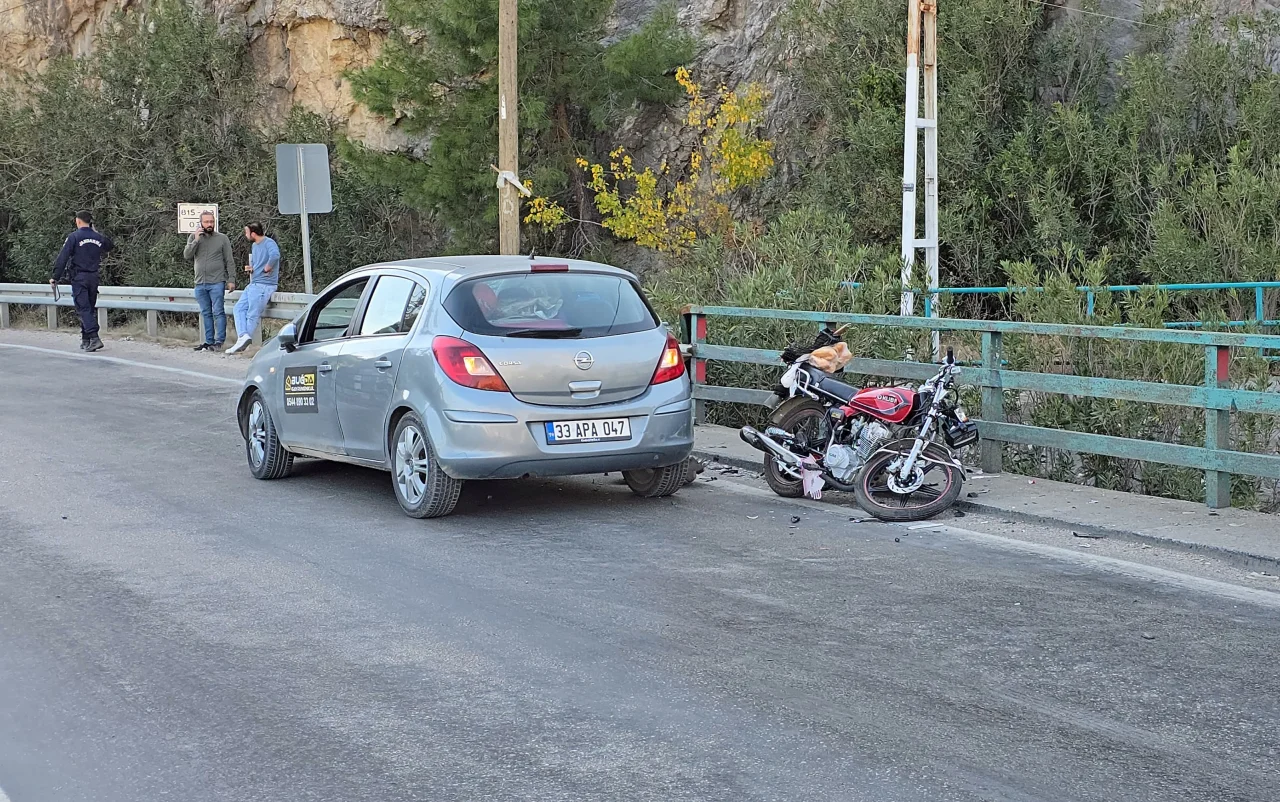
(288, 337)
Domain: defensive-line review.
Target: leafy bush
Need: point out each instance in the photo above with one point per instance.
(437, 75)
(1167, 161)
(162, 113)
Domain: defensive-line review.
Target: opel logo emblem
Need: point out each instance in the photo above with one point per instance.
(584, 360)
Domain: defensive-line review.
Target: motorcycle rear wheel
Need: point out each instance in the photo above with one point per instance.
(809, 418)
(941, 487)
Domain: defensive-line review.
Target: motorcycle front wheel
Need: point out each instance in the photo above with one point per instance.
(807, 420)
(934, 488)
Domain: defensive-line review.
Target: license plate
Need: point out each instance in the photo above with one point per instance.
(602, 430)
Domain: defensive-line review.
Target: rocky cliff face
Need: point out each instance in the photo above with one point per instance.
(301, 48)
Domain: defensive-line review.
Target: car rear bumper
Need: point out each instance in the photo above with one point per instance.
(487, 448)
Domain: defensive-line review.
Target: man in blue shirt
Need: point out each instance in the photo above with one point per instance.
(264, 268)
(79, 263)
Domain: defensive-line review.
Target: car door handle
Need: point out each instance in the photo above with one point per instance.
(382, 364)
(325, 367)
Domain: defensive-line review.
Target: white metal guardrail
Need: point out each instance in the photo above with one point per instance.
(152, 300)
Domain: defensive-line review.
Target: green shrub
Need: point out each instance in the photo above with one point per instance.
(163, 113)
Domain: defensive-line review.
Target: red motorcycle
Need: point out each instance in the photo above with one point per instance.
(893, 447)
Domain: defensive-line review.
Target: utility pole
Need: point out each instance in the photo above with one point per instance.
(922, 24)
(509, 187)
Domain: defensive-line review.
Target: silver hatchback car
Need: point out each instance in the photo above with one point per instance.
(476, 367)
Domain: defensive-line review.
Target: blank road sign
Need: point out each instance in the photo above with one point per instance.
(310, 171)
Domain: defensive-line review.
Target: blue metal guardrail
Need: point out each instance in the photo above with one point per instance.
(1215, 397)
(1258, 288)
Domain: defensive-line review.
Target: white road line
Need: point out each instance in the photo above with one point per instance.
(1265, 598)
(131, 363)
(1134, 570)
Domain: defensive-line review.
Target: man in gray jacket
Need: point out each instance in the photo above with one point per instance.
(215, 277)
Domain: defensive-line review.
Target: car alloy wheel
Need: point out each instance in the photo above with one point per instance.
(413, 468)
(257, 434)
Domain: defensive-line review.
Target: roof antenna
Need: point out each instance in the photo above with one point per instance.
(533, 253)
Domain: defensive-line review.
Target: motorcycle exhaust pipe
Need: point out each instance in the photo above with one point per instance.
(762, 442)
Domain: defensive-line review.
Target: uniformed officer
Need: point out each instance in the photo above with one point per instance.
(78, 263)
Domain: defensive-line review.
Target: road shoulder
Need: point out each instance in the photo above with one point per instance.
(1248, 539)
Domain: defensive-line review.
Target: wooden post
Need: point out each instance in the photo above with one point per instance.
(508, 129)
(992, 399)
(51, 316)
(1217, 425)
(4, 316)
(153, 323)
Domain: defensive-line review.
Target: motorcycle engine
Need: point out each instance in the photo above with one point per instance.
(841, 462)
(872, 436)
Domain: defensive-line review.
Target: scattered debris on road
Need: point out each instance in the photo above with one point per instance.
(1091, 535)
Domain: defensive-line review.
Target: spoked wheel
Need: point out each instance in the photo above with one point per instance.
(807, 421)
(932, 488)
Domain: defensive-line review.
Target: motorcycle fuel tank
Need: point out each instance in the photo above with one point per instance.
(890, 404)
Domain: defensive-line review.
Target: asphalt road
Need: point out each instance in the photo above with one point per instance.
(171, 628)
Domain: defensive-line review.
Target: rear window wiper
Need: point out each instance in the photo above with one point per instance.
(547, 334)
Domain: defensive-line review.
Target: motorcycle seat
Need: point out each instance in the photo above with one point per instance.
(828, 384)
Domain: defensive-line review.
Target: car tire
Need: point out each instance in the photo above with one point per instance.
(695, 467)
(421, 486)
(657, 482)
(268, 459)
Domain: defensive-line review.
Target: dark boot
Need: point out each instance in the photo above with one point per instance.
(94, 345)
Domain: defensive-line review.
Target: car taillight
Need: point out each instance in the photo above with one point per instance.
(671, 366)
(466, 364)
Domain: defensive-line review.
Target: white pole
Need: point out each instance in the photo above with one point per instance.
(306, 227)
(909, 151)
(931, 160)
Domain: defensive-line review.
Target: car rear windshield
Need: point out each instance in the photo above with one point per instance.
(549, 305)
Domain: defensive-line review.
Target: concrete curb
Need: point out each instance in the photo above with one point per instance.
(1238, 557)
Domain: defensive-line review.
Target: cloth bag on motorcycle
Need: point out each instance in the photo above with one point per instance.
(830, 358)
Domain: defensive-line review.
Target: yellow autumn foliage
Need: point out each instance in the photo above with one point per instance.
(653, 209)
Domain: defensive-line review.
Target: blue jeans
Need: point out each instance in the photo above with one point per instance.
(249, 308)
(210, 297)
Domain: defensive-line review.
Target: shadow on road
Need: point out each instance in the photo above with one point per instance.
(557, 495)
